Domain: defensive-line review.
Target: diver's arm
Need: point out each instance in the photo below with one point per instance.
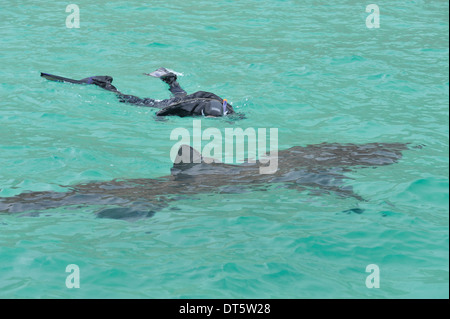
(174, 86)
(131, 99)
(148, 102)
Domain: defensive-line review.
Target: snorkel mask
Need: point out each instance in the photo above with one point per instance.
(215, 109)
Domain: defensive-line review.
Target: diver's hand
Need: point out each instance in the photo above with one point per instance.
(169, 78)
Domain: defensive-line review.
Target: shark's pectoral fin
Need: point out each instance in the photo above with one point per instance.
(356, 210)
(319, 190)
(125, 213)
(132, 211)
(328, 181)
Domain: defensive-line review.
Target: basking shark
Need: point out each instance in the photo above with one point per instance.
(319, 168)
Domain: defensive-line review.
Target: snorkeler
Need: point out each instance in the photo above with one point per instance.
(181, 104)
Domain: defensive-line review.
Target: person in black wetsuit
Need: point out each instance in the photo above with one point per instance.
(181, 104)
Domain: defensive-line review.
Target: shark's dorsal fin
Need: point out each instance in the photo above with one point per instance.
(188, 157)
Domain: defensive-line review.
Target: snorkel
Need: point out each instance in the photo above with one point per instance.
(225, 102)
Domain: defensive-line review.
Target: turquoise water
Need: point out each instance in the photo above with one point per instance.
(315, 72)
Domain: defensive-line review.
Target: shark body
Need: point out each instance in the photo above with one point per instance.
(319, 168)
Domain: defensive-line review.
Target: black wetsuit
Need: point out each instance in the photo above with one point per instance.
(181, 104)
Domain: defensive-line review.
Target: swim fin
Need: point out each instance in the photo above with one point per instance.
(103, 81)
(56, 78)
(162, 72)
